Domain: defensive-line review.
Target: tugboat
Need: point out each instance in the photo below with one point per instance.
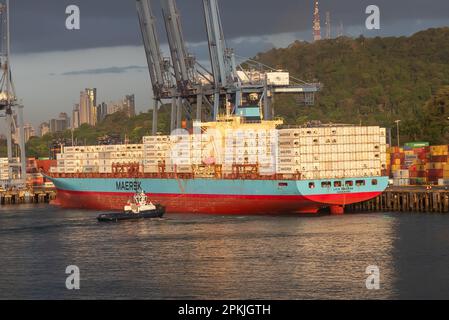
(137, 208)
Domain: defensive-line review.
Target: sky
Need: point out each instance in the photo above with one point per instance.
(51, 65)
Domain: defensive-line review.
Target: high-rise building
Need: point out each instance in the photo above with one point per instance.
(129, 105)
(88, 106)
(28, 131)
(102, 111)
(60, 124)
(76, 116)
(114, 107)
(92, 98)
(44, 128)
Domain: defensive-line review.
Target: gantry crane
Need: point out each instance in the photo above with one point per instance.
(159, 67)
(183, 80)
(229, 79)
(221, 57)
(10, 109)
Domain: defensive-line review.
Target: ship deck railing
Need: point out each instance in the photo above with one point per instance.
(177, 175)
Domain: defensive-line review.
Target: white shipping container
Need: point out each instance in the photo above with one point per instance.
(183, 168)
(110, 148)
(278, 78)
(92, 155)
(401, 182)
(70, 156)
(90, 169)
(105, 169)
(150, 169)
(288, 161)
(72, 163)
(288, 152)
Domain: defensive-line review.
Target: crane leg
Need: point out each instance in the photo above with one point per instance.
(155, 111)
(179, 113)
(173, 115)
(199, 105)
(216, 105)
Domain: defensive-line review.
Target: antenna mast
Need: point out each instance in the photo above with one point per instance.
(328, 25)
(316, 23)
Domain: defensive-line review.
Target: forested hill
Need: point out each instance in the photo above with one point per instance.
(373, 81)
(368, 81)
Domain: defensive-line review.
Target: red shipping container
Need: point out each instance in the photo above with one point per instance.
(421, 174)
(46, 164)
(435, 173)
(438, 158)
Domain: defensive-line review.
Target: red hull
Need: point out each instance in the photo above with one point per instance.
(214, 204)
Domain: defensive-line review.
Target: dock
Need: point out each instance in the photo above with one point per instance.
(406, 199)
(26, 196)
(393, 199)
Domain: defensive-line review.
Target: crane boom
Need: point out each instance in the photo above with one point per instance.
(223, 66)
(152, 47)
(183, 63)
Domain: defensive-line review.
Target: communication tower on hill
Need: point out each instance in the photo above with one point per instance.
(316, 23)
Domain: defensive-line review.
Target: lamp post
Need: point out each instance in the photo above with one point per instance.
(397, 127)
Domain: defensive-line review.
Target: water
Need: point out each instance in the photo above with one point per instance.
(222, 257)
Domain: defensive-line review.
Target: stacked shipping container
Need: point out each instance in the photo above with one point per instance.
(4, 168)
(338, 152)
(98, 159)
(419, 165)
(313, 153)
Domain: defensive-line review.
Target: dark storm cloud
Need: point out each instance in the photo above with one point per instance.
(40, 25)
(107, 70)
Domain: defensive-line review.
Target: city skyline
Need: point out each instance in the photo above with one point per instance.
(90, 113)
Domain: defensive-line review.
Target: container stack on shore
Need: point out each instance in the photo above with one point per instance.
(4, 168)
(419, 164)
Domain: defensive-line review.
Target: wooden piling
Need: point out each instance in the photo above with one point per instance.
(406, 200)
(26, 196)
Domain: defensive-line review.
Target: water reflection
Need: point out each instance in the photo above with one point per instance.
(200, 256)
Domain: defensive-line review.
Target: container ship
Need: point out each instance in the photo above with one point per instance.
(234, 165)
